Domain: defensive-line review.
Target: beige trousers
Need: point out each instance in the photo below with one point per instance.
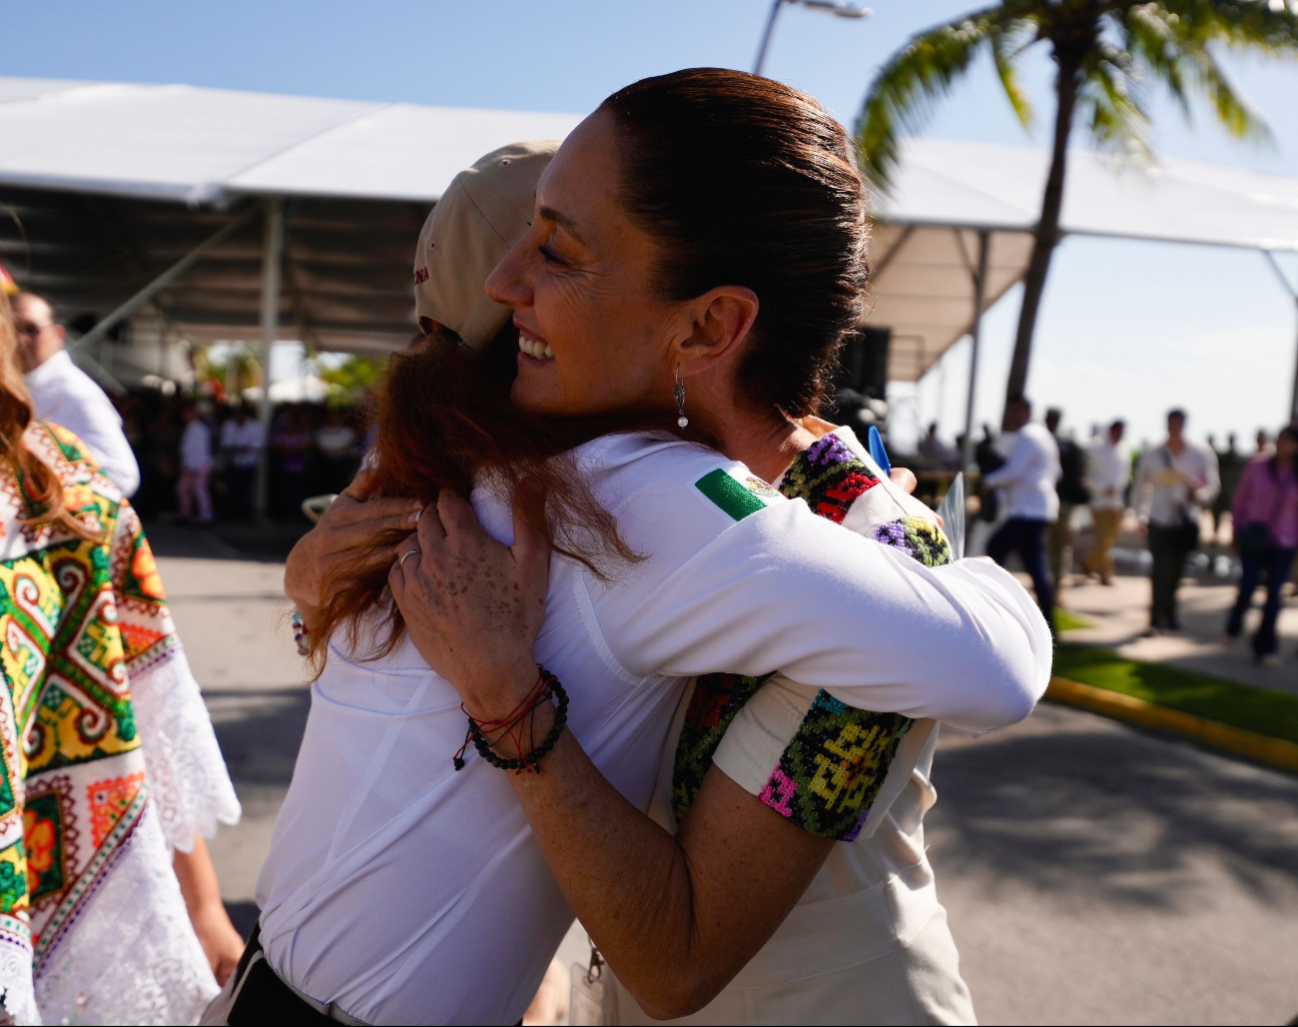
(1108, 526)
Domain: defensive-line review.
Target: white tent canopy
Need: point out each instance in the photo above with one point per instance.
(175, 142)
(947, 193)
(114, 183)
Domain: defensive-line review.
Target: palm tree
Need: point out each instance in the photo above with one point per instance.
(1108, 54)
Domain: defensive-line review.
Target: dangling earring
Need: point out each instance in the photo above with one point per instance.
(679, 394)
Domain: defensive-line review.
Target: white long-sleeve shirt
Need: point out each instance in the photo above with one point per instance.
(1030, 474)
(1165, 502)
(66, 395)
(409, 893)
(1108, 469)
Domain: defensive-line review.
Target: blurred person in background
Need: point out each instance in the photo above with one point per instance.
(936, 453)
(111, 771)
(292, 443)
(162, 462)
(242, 441)
(1027, 479)
(1108, 470)
(1174, 482)
(1230, 465)
(66, 395)
(988, 458)
(1072, 491)
(1265, 517)
(339, 450)
(1263, 443)
(195, 466)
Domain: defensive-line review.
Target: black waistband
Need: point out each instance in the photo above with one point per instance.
(263, 998)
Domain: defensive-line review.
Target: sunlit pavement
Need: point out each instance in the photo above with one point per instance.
(1094, 874)
(1120, 615)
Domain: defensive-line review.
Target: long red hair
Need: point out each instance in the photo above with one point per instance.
(445, 422)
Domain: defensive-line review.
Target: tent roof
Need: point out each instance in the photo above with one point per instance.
(926, 247)
(982, 185)
(111, 183)
(176, 142)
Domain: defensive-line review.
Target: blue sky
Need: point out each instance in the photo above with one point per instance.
(1127, 328)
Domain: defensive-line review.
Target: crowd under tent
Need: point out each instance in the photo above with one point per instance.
(172, 213)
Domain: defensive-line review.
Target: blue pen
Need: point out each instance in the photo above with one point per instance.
(877, 451)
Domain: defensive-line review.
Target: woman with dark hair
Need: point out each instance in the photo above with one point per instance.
(404, 884)
(110, 774)
(763, 776)
(1265, 519)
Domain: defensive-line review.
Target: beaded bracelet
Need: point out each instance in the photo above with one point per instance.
(529, 761)
(300, 633)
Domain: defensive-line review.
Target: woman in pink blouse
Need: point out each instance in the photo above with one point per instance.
(1265, 515)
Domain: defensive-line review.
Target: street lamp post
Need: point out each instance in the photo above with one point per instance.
(838, 8)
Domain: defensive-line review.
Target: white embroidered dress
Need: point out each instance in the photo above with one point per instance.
(110, 764)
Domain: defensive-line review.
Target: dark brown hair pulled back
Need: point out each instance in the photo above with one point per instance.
(747, 182)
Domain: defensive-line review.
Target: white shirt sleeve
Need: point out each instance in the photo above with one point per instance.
(103, 436)
(783, 589)
(71, 398)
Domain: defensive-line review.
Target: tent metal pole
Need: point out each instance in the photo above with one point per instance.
(271, 258)
(1289, 288)
(100, 330)
(975, 337)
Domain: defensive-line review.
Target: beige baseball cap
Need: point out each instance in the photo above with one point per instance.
(483, 213)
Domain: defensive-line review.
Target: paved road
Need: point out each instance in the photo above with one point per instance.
(1094, 874)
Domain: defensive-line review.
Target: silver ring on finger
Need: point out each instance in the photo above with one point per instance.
(407, 554)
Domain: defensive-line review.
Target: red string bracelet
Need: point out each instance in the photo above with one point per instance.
(511, 726)
(512, 719)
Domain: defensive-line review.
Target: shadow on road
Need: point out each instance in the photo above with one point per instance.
(259, 732)
(1116, 815)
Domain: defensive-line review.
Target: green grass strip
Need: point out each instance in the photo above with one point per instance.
(1262, 710)
(1066, 620)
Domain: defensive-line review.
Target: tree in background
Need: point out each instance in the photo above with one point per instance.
(353, 380)
(1108, 54)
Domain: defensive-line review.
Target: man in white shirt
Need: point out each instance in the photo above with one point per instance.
(242, 441)
(66, 395)
(1108, 470)
(1174, 482)
(1027, 479)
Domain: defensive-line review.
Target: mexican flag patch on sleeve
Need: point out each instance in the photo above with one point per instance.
(737, 496)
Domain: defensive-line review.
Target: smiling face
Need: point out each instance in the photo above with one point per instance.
(594, 336)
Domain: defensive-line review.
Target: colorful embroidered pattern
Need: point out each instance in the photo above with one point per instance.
(832, 769)
(916, 537)
(716, 700)
(77, 618)
(829, 477)
(108, 800)
(828, 776)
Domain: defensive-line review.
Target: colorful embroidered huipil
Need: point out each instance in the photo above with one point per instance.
(868, 941)
(834, 765)
(109, 761)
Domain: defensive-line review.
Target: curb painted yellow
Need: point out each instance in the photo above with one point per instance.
(1275, 751)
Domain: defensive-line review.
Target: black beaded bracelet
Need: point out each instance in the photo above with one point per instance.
(532, 759)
